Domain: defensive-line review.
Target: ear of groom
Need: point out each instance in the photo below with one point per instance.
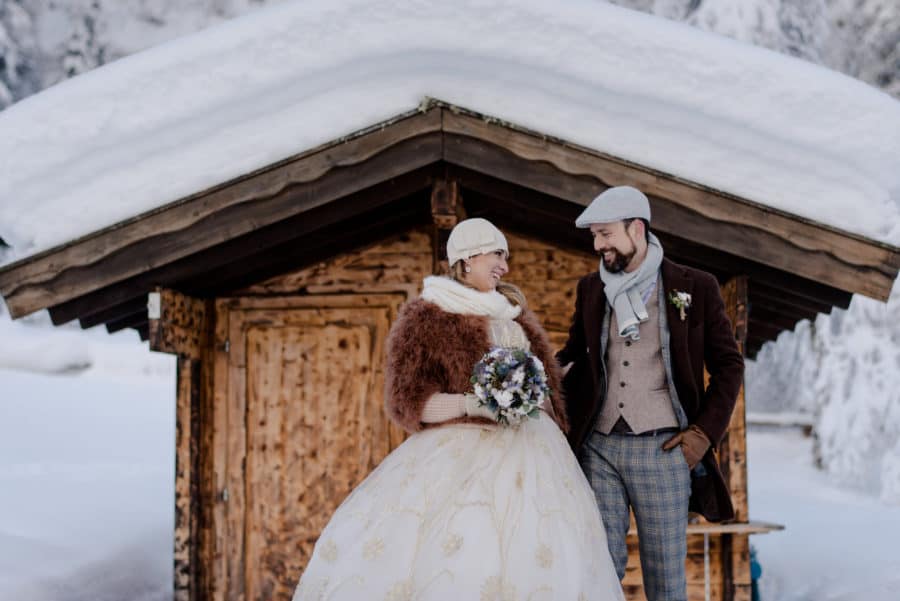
(640, 228)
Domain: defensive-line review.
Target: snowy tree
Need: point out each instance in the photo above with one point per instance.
(84, 48)
(17, 53)
(860, 38)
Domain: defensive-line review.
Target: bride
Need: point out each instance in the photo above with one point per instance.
(466, 508)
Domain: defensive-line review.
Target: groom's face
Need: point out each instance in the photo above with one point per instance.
(614, 243)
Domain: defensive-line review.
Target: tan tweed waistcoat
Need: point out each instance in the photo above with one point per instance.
(637, 391)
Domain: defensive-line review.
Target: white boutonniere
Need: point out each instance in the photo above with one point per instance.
(681, 300)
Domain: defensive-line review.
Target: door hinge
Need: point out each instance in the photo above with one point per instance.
(224, 495)
(227, 346)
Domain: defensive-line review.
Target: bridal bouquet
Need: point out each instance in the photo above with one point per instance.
(511, 382)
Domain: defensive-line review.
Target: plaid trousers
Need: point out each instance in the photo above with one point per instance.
(634, 471)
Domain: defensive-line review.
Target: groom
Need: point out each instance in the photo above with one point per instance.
(643, 424)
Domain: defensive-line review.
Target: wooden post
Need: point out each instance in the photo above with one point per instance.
(446, 211)
(733, 451)
(178, 325)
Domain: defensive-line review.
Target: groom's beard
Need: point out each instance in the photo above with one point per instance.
(619, 261)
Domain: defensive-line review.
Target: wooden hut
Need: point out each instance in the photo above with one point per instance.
(276, 291)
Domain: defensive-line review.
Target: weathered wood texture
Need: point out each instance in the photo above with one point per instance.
(548, 276)
(309, 382)
(395, 264)
(733, 449)
(214, 437)
(446, 211)
(180, 327)
(193, 545)
(187, 481)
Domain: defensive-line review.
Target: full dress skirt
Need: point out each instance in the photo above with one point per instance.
(468, 512)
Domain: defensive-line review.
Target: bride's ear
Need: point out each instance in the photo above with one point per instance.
(467, 268)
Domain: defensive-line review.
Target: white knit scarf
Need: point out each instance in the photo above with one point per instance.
(453, 297)
(623, 290)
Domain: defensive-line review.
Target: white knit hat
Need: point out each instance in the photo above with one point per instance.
(472, 237)
(615, 204)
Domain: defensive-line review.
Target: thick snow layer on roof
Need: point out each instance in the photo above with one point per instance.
(159, 125)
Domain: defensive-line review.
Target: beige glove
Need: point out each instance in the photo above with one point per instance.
(444, 406)
(693, 443)
(474, 409)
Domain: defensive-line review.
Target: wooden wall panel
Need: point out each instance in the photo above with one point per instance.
(396, 263)
(548, 276)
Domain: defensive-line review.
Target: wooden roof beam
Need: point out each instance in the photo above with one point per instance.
(212, 217)
(543, 216)
(786, 242)
(233, 250)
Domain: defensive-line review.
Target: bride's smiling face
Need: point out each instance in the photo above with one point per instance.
(486, 270)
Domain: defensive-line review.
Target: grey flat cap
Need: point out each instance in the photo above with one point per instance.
(615, 204)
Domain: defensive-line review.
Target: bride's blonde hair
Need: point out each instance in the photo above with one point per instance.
(512, 292)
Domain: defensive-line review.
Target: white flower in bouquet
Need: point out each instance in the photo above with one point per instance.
(504, 398)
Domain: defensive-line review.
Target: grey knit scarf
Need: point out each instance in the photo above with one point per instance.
(624, 290)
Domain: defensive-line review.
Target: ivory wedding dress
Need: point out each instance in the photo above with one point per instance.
(468, 512)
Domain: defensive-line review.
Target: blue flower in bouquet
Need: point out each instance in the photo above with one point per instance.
(512, 383)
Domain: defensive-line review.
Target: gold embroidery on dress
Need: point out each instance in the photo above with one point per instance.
(452, 544)
(544, 556)
(329, 551)
(495, 589)
(373, 549)
(401, 591)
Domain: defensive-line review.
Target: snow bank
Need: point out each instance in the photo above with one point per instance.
(87, 473)
(837, 545)
(844, 369)
(161, 124)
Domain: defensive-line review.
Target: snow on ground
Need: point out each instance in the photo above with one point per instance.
(86, 474)
(89, 152)
(837, 546)
(86, 466)
(87, 483)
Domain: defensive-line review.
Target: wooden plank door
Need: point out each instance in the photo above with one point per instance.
(305, 414)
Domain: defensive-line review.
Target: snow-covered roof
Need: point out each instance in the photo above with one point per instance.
(157, 126)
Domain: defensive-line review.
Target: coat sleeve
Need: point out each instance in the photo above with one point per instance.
(576, 345)
(724, 363)
(540, 347)
(412, 372)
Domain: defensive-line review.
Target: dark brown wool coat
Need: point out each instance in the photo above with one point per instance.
(430, 350)
(705, 337)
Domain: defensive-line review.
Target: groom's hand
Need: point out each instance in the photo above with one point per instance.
(693, 443)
